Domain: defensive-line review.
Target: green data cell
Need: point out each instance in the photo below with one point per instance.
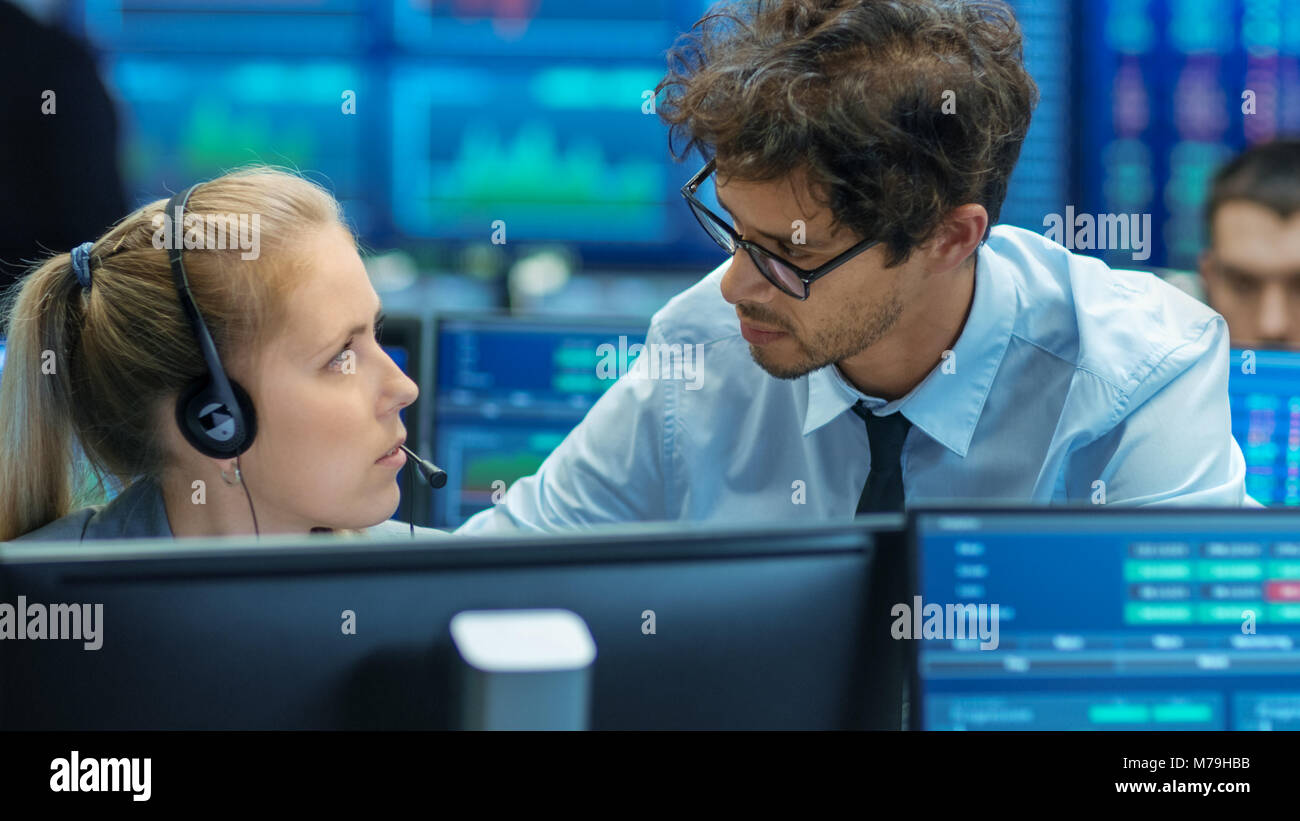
(1284, 613)
(1230, 612)
(1157, 571)
(1279, 569)
(1183, 713)
(1235, 571)
(1119, 714)
(1145, 613)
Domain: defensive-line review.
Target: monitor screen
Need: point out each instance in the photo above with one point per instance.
(507, 392)
(1167, 92)
(436, 122)
(1264, 389)
(1117, 619)
(695, 627)
(433, 123)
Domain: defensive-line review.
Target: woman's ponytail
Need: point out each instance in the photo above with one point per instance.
(36, 436)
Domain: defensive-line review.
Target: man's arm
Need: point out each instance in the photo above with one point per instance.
(1176, 447)
(610, 468)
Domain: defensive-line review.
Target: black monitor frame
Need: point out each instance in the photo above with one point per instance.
(412, 332)
(61, 571)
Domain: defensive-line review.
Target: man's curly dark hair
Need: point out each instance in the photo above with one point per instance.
(853, 92)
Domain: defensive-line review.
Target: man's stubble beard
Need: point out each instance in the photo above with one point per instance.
(850, 337)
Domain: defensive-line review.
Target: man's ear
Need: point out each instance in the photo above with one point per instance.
(1205, 266)
(960, 233)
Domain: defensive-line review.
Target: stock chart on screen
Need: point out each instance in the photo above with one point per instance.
(533, 115)
(507, 392)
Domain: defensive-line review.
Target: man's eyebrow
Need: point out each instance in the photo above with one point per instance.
(356, 330)
(786, 240)
(1234, 271)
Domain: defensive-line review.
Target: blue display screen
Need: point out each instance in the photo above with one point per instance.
(442, 122)
(1264, 390)
(1168, 90)
(508, 392)
(1188, 621)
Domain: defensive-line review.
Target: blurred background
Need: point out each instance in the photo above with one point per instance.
(534, 113)
(531, 112)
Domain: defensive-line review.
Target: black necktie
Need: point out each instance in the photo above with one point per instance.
(886, 434)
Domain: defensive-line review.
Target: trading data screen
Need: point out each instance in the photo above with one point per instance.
(1167, 91)
(1121, 620)
(1264, 390)
(507, 392)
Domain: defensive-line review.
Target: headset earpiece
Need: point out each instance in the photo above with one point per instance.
(208, 424)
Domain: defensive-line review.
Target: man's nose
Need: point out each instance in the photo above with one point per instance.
(743, 282)
(1274, 320)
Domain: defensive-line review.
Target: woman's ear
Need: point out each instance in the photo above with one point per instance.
(230, 472)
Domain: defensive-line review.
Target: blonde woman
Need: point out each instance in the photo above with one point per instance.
(101, 354)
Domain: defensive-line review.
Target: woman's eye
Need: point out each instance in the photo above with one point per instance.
(342, 355)
(347, 347)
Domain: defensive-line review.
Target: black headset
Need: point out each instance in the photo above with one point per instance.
(215, 413)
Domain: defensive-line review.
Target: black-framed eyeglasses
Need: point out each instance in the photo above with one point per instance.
(784, 274)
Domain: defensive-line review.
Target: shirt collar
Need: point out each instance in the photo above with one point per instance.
(946, 406)
(138, 512)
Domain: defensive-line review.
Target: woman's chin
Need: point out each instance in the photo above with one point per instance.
(376, 512)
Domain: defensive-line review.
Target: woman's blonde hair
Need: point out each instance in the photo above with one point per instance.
(87, 369)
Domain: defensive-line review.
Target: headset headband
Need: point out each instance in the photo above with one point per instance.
(221, 389)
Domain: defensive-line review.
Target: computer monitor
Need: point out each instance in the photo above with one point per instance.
(1264, 390)
(1147, 142)
(1109, 619)
(753, 628)
(405, 339)
(508, 390)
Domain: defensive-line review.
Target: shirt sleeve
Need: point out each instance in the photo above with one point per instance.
(1176, 447)
(610, 468)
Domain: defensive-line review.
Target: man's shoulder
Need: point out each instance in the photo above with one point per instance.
(697, 316)
(1121, 326)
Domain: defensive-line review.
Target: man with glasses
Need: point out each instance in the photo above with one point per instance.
(876, 345)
